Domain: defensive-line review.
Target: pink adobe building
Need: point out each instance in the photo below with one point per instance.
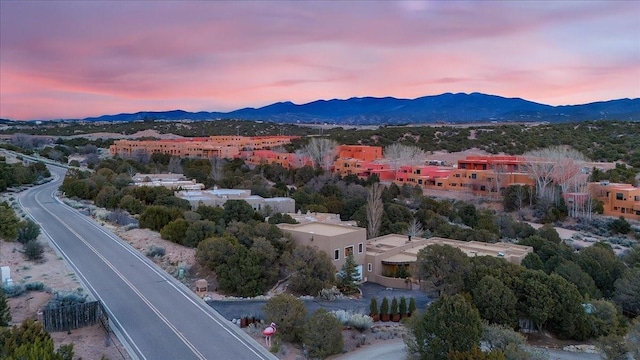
(201, 147)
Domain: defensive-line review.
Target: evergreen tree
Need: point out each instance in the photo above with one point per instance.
(323, 334)
(348, 276)
(5, 311)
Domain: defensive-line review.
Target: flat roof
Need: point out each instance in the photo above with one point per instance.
(321, 228)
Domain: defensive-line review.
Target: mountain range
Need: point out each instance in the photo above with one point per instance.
(444, 108)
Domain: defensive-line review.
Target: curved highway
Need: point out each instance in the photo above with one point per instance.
(156, 316)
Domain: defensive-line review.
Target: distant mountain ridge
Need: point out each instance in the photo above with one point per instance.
(447, 108)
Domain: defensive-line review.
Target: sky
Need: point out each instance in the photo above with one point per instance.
(74, 59)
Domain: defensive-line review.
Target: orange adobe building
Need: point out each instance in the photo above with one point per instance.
(618, 199)
(356, 159)
(201, 147)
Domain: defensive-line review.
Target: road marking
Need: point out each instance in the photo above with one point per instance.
(248, 343)
(131, 286)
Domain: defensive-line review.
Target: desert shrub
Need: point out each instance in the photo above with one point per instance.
(360, 322)
(154, 251)
(323, 335)
(620, 226)
(66, 298)
(34, 286)
(342, 316)
(14, 290)
(330, 294)
(28, 231)
(33, 250)
(288, 312)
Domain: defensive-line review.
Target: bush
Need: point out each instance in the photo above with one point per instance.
(330, 294)
(28, 231)
(14, 290)
(288, 312)
(412, 305)
(34, 286)
(342, 316)
(33, 250)
(154, 251)
(620, 226)
(384, 306)
(323, 335)
(394, 307)
(373, 306)
(66, 298)
(360, 322)
(402, 308)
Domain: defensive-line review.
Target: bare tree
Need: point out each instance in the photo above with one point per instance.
(415, 229)
(217, 168)
(174, 165)
(400, 155)
(557, 165)
(22, 140)
(322, 152)
(374, 209)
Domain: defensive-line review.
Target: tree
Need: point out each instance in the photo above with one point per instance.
(535, 300)
(5, 310)
(444, 265)
(309, 270)
(575, 275)
(321, 152)
(175, 231)
(9, 222)
(627, 291)
(156, 217)
(373, 306)
(323, 334)
(449, 324)
(28, 231)
(515, 197)
(476, 354)
(603, 319)
(402, 306)
(31, 341)
(400, 155)
(620, 226)
(374, 210)
(415, 229)
(238, 210)
(495, 301)
(567, 319)
(33, 250)
(603, 265)
(384, 306)
(349, 276)
(288, 312)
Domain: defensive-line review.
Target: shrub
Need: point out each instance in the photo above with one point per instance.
(33, 250)
(28, 231)
(323, 335)
(14, 290)
(412, 305)
(34, 286)
(402, 308)
(288, 312)
(620, 226)
(394, 306)
(154, 251)
(342, 316)
(330, 294)
(66, 298)
(384, 306)
(373, 306)
(360, 322)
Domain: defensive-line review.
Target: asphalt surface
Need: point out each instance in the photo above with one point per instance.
(235, 309)
(154, 315)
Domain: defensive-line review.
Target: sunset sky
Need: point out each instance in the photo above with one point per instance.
(73, 59)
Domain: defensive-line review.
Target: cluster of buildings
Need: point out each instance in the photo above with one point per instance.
(476, 174)
(387, 260)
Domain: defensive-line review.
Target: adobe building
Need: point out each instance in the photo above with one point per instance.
(337, 241)
(217, 197)
(170, 181)
(617, 199)
(386, 254)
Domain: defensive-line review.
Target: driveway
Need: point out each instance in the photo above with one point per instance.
(235, 309)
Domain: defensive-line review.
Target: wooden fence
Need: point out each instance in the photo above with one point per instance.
(74, 317)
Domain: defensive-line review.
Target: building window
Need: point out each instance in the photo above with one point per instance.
(370, 267)
(618, 196)
(348, 251)
(417, 171)
(336, 254)
(473, 176)
(360, 248)
(636, 198)
(463, 166)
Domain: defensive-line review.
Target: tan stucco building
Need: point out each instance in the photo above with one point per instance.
(385, 254)
(338, 241)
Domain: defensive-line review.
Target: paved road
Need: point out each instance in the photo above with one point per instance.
(155, 316)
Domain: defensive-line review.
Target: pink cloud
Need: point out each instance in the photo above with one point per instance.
(76, 59)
